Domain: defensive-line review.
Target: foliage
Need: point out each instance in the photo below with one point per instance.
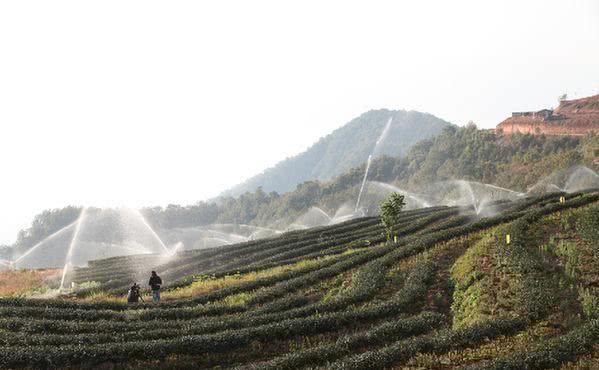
(588, 226)
(390, 212)
(265, 304)
(494, 279)
(45, 224)
(550, 353)
(437, 342)
(515, 161)
(380, 334)
(345, 148)
(590, 304)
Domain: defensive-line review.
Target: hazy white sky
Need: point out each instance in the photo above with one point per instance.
(148, 103)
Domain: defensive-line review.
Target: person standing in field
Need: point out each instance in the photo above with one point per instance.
(155, 283)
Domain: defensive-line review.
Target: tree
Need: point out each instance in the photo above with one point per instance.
(390, 212)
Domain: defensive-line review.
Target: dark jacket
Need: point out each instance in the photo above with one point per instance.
(155, 282)
(133, 295)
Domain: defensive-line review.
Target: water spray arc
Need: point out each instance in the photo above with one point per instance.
(6, 263)
(478, 195)
(147, 226)
(104, 233)
(176, 248)
(72, 246)
(582, 177)
(467, 187)
(408, 194)
(363, 183)
(568, 180)
(315, 216)
(376, 145)
(319, 210)
(42, 242)
(219, 241)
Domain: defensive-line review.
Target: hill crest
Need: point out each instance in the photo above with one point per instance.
(346, 147)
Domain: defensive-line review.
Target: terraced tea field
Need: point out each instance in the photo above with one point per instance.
(449, 292)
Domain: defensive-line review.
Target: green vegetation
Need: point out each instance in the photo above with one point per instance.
(588, 226)
(516, 162)
(449, 293)
(390, 213)
(345, 148)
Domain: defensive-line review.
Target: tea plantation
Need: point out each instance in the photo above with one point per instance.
(449, 292)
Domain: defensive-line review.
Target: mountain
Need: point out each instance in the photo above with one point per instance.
(348, 146)
(517, 162)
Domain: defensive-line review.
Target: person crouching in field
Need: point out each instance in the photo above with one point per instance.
(155, 283)
(134, 294)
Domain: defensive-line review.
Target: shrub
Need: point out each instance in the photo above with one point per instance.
(588, 226)
(590, 303)
(391, 211)
(550, 353)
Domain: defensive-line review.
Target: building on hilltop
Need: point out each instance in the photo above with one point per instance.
(572, 117)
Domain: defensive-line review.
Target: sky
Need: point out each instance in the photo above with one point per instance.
(143, 103)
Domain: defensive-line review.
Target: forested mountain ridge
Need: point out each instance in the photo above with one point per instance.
(512, 161)
(346, 147)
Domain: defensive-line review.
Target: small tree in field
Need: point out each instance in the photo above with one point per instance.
(390, 211)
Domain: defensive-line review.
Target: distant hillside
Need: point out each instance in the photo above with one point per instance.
(512, 161)
(346, 147)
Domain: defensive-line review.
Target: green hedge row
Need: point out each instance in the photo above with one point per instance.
(344, 346)
(414, 287)
(413, 291)
(243, 249)
(588, 227)
(550, 353)
(290, 250)
(230, 251)
(61, 353)
(219, 294)
(439, 342)
(417, 246)
(226, 260)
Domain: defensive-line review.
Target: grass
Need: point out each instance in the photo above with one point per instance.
(207, 284)
(547, 275)
(588, 362)
(26, 282)
(576, 254)
(494, 348)
(472, 276)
